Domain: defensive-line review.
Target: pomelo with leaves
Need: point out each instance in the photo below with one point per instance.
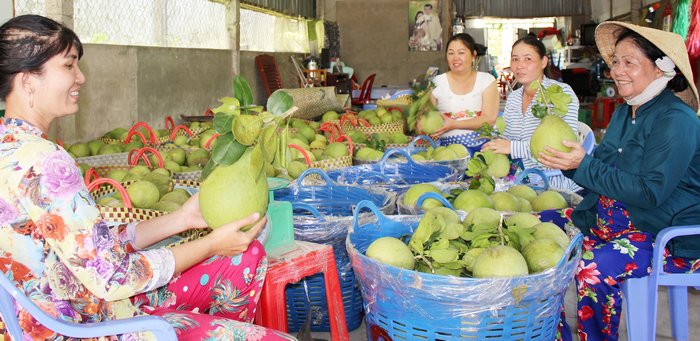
(551, 105)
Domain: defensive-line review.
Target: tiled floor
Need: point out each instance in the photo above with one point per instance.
(663, 331)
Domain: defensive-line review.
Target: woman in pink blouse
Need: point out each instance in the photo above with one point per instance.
(57, 249)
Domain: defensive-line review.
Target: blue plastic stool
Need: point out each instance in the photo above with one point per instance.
(641, 294)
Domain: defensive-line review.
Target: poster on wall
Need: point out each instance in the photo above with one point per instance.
(425, 29)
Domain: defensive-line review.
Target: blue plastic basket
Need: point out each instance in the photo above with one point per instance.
(329, 231)
(395, 176)
(404, 304)
(333, 199)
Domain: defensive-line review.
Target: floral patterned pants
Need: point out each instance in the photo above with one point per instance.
(615, 251)
(215, 299)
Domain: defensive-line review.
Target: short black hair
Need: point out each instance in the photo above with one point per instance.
(428, 5)
(27, 42)
(466, 39)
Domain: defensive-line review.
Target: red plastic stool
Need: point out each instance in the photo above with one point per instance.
(304, 260)
(603, 108)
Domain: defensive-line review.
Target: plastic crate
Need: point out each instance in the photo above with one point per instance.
(330, 231)
(404, 304)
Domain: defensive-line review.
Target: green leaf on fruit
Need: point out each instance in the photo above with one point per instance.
(279, 102)
(222, 122)
(242, 91)
(208, 168)
(227, 150)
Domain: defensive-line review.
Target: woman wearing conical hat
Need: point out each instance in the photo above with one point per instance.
(642, 177)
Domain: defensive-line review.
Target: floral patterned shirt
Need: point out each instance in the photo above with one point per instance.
(54, 244)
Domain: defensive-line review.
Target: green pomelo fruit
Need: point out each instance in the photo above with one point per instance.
(166, 206)
(172, 166)
(295, 168)
(501, 124)
(470, 258)
(318, 153)
(299, 142)
(336, 150)
(205, 136)
(297, 123)
(523, 191)
(551, 132)
(525, 206)
(117, 174)
(161, 181)
(414, 192)
(483, 215)
(132, 177)
(139, 170)
(386, 119)
(80, 149)
(504, 201)
(269, 141)
(418, 157)
(83, 167)
(399, 138)
(471, 199)
(522, 219)
(134, 144)
(330, 116)
(431, 122)
(178, 155)
(448, 215)
(198, 157)
(95, 146)
(357, 136)
(116, 133)
(143, 194)
(549, 200)
(180, 140)
(321, 138)
(236, 191)
(444, 154)
(176, 197)
(459, 150)
(104, 201)
(246, 129)
(182, 191)
(299, 137)
(315, 125)
(551, 231)
(542, 254)
(308, 132)
(500, 261)
(364, 153)
(499, 166)
(392, 251)
(316, 144)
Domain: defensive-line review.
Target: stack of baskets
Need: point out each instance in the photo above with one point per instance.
(404, 304)
(330, 206)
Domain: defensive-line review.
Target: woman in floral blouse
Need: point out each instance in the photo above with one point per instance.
(57, 249)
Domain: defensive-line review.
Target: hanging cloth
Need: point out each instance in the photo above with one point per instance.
(692, 42)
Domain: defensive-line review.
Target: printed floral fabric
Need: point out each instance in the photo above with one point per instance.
(55, 247)
(615, 251)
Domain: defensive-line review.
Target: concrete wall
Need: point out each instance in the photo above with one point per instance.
(127, 84)
(374, 39)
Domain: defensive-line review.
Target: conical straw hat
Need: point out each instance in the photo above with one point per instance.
(669, 43)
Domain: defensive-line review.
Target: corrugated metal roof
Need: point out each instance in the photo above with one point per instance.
(520, 8)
